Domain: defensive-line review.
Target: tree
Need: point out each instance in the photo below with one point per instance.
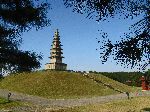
(148, 72)
(17, 16)
(135, 47)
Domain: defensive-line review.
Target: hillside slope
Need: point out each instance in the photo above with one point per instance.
(112, 83)
(129, 78)
(58, 84)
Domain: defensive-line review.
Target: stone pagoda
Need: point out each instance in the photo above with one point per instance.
(56, 55)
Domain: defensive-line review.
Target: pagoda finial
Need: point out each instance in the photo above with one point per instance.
(56, 33)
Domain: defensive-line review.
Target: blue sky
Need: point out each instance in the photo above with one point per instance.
(78, 37)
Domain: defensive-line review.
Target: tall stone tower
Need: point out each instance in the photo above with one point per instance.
(56, 55)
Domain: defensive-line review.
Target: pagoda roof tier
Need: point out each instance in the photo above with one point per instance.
(56, 53)
(57, 63)
(59, 45)
(56, 48)
(56, 38)
(56, 35)
(57, 41)
(56, 44)
(56, 57)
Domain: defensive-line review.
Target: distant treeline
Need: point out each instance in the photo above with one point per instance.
(129, 78)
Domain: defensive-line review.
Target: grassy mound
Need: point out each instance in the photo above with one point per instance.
(58, 84)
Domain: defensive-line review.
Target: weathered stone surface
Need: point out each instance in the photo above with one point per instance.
(56, 55)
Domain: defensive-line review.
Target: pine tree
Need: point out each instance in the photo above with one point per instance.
(134, 48)
(17, 16)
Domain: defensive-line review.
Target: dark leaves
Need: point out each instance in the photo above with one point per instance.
(19, 61)
(23, 14)
(17, 16)
(132, 50)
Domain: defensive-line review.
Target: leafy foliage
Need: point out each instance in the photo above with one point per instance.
(148, 72)
(21, 61)
(135, 47)
(147, 75)
(23, 14)
(17, 16)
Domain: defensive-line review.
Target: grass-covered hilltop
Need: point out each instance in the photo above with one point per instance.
(62, 84)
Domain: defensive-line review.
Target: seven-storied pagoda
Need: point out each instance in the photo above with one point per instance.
(56, 55)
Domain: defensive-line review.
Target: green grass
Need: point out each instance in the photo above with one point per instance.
(138, 104)
(58, 84)
(4, 104)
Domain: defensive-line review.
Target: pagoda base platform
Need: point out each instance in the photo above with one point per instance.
(56, 66)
